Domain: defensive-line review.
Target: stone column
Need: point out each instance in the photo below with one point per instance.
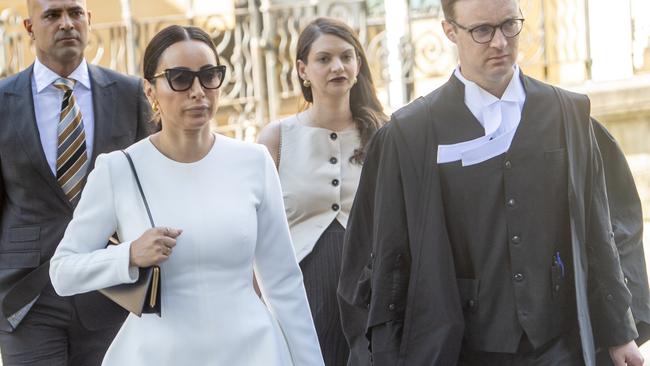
(396, 32)
(127, 18)
(610, 40)
(641, 44)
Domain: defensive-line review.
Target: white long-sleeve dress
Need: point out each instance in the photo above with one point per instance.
(229, 206)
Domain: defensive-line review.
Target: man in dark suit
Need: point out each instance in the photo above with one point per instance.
(482, 233)
(55, 118)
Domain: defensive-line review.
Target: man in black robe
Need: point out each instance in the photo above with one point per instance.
(482, 232)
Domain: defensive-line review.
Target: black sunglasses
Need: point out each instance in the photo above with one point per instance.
(182, 79)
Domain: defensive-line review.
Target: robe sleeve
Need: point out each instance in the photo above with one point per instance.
(610, 302)
(356, 269)
(627, 225)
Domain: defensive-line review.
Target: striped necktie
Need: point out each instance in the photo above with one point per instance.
(72, 158)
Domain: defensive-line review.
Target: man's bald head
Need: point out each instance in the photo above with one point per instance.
(59, 29)
(31, 3)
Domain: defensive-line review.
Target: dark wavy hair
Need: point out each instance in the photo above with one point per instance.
(367, 111)
(163, 40)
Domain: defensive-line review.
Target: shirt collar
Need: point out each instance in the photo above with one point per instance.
(44, 77)
(478, 98)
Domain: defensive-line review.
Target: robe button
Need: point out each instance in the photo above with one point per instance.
(609, 297)
(471, 303)
(516, 239)
(333, 136)
(335, 207)
(508, 164)
(511, 202)
(391, 307)
(518, 277)
(335, 182)
(333, 160)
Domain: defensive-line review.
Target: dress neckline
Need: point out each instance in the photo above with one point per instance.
(300, 122)
(178, 163)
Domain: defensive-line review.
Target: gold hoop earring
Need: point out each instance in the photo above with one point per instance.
(155, 107)
(306, 83)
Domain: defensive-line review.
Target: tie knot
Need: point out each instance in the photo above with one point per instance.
(64, 84)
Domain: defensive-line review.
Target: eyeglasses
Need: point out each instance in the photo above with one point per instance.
(182, 79)
(484, 33)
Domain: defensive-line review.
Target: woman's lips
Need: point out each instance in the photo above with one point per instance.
(196, 109)
(498, 58)
(339, 79)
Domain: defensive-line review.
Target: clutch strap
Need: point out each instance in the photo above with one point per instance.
(137, 180)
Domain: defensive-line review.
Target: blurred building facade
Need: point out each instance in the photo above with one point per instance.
(586, 45)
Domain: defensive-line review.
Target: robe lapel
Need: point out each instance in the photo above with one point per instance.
(537, 111)
(454, 121)
(21, 105)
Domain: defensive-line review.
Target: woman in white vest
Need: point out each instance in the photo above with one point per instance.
(319, 153)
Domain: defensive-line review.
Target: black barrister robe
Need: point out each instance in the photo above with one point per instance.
(627, 224)
(398, 283)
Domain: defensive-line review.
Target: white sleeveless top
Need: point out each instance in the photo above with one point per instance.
(318, 179)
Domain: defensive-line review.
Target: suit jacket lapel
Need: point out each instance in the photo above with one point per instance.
(21, 107)
(104, 106)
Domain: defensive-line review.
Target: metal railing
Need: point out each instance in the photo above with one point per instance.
(258, 44)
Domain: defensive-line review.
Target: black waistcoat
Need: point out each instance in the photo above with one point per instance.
(508, 225)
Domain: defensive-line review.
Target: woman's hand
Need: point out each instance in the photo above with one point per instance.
(153, 247)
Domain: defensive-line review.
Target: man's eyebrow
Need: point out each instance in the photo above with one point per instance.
(76, 8)
(51, 12)
(493, 25)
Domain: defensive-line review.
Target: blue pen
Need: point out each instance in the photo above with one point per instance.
(559, 262)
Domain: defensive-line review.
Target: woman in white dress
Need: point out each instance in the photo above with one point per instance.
(219, 208)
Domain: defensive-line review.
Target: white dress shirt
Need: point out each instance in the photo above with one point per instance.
(47, 107)
(499, 117)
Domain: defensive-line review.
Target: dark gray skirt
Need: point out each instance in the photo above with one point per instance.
(320, 270)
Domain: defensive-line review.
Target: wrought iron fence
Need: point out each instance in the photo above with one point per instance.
(258, 44)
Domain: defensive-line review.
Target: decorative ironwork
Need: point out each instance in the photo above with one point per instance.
(281, 26)
(15, 42)
(532, 40)
(258, 44)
